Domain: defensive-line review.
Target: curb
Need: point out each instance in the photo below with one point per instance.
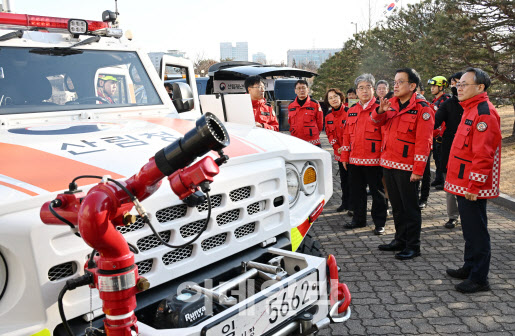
(505, 201)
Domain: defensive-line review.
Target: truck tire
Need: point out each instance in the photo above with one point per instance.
(310, 246)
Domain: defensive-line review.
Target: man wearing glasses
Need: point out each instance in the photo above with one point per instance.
(361, 152)
(473, 174)
(408, 126)
(263, 111)
(305, 115)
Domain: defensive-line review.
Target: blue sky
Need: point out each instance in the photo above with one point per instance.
(198, 26)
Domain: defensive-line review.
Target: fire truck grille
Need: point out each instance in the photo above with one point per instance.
(216, 201)
(256, 207)
(150, 242)
(145, 266)
(245, 230)
(240, 194)
(227, 217)
(171, 213)
(177, 255)
(62, 271)
(214, 241)
(139, 224)
(192, 229)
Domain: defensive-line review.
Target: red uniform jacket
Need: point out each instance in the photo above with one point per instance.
(407, 135)
(436, 105)
(306, 121)
(264, 114)
(334, 126)
(362, 138)
(475, 159)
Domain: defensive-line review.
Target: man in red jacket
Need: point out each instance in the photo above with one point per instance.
(473, 174)
(263, 111)
(361, 152)
(408, 126)
(305, 115)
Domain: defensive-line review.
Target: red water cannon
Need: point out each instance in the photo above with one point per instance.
(107, 205)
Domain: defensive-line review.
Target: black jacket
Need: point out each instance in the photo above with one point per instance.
(450, 112)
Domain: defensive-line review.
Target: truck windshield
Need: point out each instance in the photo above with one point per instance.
(59, 79)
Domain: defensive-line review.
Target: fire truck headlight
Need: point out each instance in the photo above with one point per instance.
(309, 178)
(293, 183)
(77, 26)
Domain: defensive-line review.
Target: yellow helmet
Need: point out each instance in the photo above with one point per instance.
(438, 81)
(108, 78)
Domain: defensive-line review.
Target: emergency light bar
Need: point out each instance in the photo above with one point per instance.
(47, 22)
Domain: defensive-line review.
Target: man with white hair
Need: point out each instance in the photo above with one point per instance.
(361, 152)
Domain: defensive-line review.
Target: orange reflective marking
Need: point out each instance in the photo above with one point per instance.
(304, 227)
(15, 187)
(45, 170)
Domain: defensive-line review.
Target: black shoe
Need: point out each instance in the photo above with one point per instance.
(379, 231)
(436, 182)
(407, 254)
(393, 246)
(350, 213)
(451, 223)
(422, 204)
(341, 208)
(439, 187)
(459, 273)
(354, 225)
(469, 286)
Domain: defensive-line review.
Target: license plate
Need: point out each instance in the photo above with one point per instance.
(270, 310)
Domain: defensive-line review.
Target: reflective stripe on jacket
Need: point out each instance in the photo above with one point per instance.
(475, 158)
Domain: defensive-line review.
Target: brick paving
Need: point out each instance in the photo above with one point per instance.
(416, 297)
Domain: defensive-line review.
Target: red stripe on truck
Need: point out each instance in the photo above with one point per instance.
(45, 170)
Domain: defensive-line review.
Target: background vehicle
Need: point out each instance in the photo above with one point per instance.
(228, 77)
(54, 128)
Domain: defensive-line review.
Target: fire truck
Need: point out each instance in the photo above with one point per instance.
(125, 212)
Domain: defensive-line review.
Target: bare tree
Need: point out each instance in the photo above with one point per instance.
(202, 64)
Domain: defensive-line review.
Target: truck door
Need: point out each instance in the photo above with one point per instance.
(176, 68)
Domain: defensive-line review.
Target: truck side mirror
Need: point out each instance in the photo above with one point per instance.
(182, 97)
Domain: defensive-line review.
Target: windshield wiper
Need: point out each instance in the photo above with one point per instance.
(86, 41)
(56, 51)
(11, 35)
(65, 51)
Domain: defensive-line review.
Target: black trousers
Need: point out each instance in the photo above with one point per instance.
(344, 184)
(425, 185)
(477, 240)
(437, 153)
(403, 196)
(359, 178)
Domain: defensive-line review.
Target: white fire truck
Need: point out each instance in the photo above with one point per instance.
(93, 242)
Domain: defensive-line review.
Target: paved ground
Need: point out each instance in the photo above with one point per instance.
(416, 297)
